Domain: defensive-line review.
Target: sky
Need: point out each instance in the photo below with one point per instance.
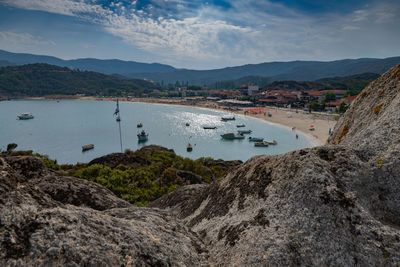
(202, 34)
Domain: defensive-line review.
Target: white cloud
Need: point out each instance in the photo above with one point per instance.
(22, 39)
(249, 31)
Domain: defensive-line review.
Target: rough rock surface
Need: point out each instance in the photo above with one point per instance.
(333, 205)
(51, 220)
(114, 159)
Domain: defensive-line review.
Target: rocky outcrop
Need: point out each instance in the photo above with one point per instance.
(333, 205)
(128, 159)
(51, 220)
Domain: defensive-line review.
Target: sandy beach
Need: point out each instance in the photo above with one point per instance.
(299, 121)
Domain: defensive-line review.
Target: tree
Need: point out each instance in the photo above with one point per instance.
(11, 147)
(330, 97)
(343, 107)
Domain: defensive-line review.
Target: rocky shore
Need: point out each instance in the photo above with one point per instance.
(332, 205)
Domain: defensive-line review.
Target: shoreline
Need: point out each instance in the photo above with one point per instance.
(298, 122)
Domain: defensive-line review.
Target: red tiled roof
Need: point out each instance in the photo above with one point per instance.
(334, 91)
(350, 98)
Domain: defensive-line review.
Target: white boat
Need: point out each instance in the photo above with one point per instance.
(25, 116)
(273, 142)
(143, 136)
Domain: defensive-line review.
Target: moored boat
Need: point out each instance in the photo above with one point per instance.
(232, 136)
(273, 142)
(244, 131)
(228, 118)
(143, 136)
(240, 125)
(256, 139)
(139, 125)
(87, 147)
(25, 116)
(189, 147)
(187, 124)
(261, 144)
(209, 127)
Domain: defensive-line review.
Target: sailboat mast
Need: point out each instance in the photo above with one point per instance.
(119, 124)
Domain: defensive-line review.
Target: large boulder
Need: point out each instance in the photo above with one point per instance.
(48, 219)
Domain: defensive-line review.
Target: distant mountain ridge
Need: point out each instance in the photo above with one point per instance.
(106, 66)
(275, 71)
(278, 71)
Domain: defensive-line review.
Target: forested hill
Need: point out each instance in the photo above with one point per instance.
(43, 79)
(352, 82)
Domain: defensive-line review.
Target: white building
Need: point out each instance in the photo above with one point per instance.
(251, 89)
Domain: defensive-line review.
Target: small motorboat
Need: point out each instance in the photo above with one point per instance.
(256, 139)
(143, 136)
(228, 118)
(139, 125)
(87, 147)
(261, 144)
(209, 127)
(187, 124)
(232, 136)
(25, 116)
(273, 142)
(240, 125)
(189, 147)
(244, 131)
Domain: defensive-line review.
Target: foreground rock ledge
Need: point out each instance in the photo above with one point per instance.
(337, 204)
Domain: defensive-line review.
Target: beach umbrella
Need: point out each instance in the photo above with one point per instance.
(311, 125)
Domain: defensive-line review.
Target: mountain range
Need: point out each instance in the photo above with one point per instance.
(275, 71)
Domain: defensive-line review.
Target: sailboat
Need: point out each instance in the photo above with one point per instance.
(119, 123)
(117, 112)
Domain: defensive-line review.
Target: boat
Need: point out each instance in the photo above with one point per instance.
(189, 147)
(244, 131)
(209, 127)
(143, 136)
(117, 112)
(25, 116)
(261, 144)
(228, 118)
(87, 147)
(240, 125)
(187, 124)
(139, 125)
(256, 139)
(273, 142)
(232, 136)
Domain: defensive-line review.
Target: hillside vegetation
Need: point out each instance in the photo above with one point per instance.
(144, 175)
(44, 79)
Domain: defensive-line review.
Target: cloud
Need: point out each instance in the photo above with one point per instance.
(23, 39)
(242, 32)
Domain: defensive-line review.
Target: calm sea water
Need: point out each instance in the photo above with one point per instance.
(59, 130)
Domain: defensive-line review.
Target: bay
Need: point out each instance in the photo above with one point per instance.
(59, 130)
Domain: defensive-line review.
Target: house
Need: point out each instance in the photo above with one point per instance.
(349, 99)
(277, 97)
(312, 96)
(338, 93)
(249, 89)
